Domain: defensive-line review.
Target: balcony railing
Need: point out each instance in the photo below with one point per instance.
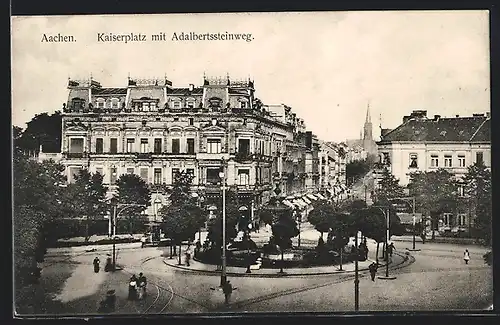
(75, 155)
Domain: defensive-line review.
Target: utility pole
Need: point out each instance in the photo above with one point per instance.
(223, 277)
(356, 274)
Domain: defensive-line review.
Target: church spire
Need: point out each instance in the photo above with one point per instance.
(368, 117)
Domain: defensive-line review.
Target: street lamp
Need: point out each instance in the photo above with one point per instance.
(222, 175)
(385, 211)
(115, 216)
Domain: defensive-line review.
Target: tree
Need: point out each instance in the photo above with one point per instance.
(321, 217)
(89, 195)
(182, 217)
(37, 188)
(232, 216)
(283, 231)
(434, 192)
(132, 189)
(43, 129)
(357, 169)
(389, 187)
(478, 190)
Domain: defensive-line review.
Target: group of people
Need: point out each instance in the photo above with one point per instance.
(97, 264)
(137, 287)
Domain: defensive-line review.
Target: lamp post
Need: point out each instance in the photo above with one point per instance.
(385, 211)
(222, 175)
(356, 273)
(116, 214)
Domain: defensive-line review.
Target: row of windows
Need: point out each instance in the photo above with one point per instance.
(113, 103)
(460, 220)
(213, 145)
(448, 160)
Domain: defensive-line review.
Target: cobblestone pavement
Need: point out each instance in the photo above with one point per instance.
(435, 278)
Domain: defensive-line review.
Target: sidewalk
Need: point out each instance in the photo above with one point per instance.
(51, 252)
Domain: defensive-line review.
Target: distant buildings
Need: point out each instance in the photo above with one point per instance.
(426, 144)
(365, 146)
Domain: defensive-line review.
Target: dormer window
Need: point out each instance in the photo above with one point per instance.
(101, 103)
(77, 103)
(176, 104)
(145, 106)
(152, 106)
(243, 105)
(215, 103)
(190, 102)
(115, 103)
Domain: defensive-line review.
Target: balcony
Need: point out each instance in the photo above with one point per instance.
(144, 156)
(212, 156)
(75, 155)
(243, 157)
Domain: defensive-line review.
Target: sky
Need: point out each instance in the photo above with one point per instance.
(328, 66)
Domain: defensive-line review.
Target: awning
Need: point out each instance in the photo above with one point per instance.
(305, 199)
(332, 192)
(344, 187)
(312, 197)
(300, 203)
(321, 197)
(288, 203)
(338, 189)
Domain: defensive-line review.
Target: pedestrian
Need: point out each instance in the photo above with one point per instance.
(373, 270)
(390, 249)
(96, 264)
(143, 241)
(188, 255)
(132, 288)
(466, 256)
(142, 282)
(228, 290)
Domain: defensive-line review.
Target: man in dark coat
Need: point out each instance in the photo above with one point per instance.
(373, 270)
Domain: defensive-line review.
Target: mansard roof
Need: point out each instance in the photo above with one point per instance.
(184, 91)
(109, 91)
(456, 129)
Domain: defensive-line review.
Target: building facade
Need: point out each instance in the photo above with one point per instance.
(426, 144)
(155, 130)
(332, 166)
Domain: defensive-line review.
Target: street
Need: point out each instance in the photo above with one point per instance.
(435, 278)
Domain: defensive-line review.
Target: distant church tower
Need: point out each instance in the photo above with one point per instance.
(368, 143)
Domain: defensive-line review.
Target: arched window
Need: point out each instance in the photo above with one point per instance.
(243, 102)
(190, 102)
(101, 103)
(115, 103)
(176, 103)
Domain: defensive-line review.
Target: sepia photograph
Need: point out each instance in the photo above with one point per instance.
(257, 163)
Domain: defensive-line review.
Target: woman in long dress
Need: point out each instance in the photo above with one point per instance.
(132, 288)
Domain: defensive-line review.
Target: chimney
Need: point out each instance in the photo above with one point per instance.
(488, 114)
(477, 115)
(457, 115)
(406, 118)
(437, 117)
(191, 87)
(419, 114)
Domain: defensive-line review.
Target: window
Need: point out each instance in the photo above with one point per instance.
(461, 190)
(144, 173)
(461, 160)
(76, 145)
(99, 170)
(130, 170)
(190, 171)
(243, 105)
(99, 145)
(386, 159)
(145, 106)
(114, 175)
(152, 106)
(130, 145)
(77, 104)
(191, 121)
(434, 161)
(213, 175)
(243, 176)
(144, 145)
(115, 103)
(447, 219)
(175, 146)
(157, 146)
(213, 146)
(100, 103)
(447, 161)
(176, 104)
(413, 160)
(73, 173)
(244, 146)
(190, 103)
(113, 145)
(157, 176)
(462, 220)
(176, 119)
(479, 158)
(190, 146)
(175, 172)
